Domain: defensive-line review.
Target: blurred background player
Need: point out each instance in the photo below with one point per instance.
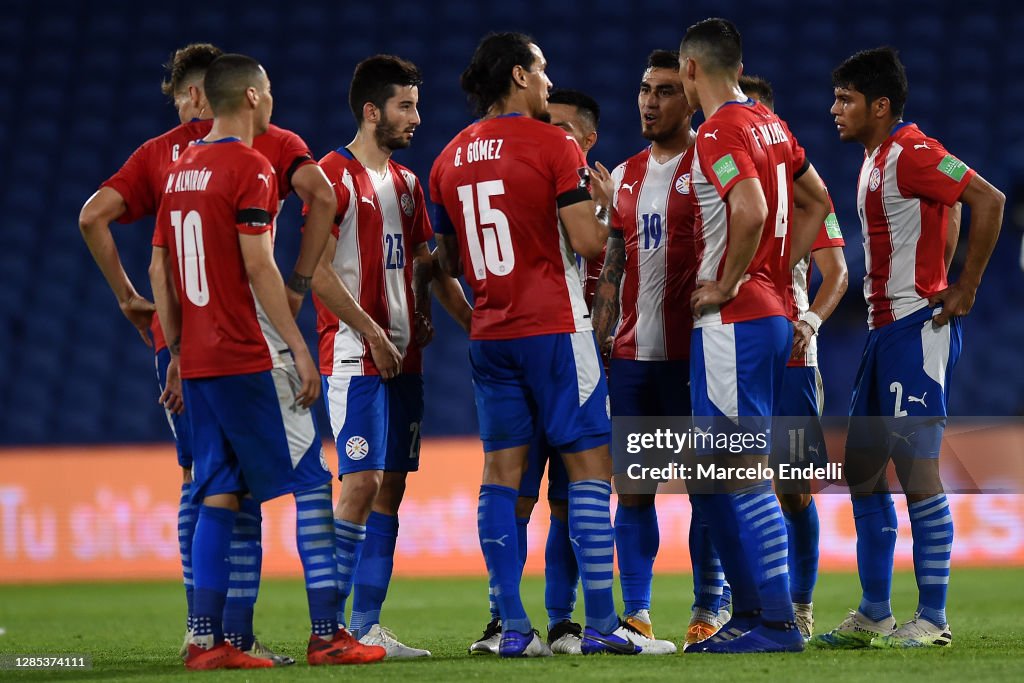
(744, 167)
(650, 268)
(220, 198)
(800, 439)
(907, 183)
(578, 114)
(372, 328)
(532, 347)
(134, 192)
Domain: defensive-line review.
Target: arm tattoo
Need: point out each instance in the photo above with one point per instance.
(605, 308)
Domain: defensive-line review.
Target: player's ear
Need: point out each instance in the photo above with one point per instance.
(589, 141)
(370, 112)
(519, 75)
(252, 97)
(881, 107)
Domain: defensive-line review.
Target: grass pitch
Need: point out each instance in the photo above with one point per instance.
(132, 632)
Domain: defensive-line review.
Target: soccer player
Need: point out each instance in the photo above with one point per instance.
(907, 183)
(134, 192)
(502, 185)
(748, 172)
(578, 114)
(650, 267)
(370, 341)
(801, 439)
(220, 198)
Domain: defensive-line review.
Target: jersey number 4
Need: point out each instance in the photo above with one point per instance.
(496, 255)
(188, 237)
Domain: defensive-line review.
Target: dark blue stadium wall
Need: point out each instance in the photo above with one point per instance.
(81, 91)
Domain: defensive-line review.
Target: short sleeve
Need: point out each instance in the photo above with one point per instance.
(830, 235)
(293, 154)
(723, 156)
(132, 181)
(569, 169)
(256, 201)
(926, 170)
(800, 161)
(442, 224)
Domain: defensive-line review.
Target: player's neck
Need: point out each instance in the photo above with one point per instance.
(880, 135)
(367, 152)
(240, 127)
(716, 93)
(514, 104)
(663, 150)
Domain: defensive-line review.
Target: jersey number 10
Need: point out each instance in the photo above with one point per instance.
(496, 256)
(188, 238)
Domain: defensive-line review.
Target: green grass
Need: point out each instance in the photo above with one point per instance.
(133, 630)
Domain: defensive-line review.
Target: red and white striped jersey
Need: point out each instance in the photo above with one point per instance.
(829, 236)
(654, 213)
(382, 219)
(744, 140)
(904, 192)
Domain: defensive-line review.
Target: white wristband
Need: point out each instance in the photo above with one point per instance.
(812, 319)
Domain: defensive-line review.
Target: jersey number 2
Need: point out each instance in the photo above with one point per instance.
(496, 256)
(188, 237)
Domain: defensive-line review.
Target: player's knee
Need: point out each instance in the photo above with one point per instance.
(919, 477)
(392, 491)
(524, 507)
(358, 492)
(792, 503)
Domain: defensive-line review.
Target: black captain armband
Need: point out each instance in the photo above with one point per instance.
(803, 169)
(299, 284)
(571, 197)
(257, 218)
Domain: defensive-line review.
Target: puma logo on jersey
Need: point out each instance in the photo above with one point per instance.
(630, 186)
(923, 145)
(814, 449)
(499, 541)
(915, 399)
(713, 135)
(366, 199)
(265, 178)
(905, 439)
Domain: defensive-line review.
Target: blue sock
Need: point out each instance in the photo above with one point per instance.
(211, 567)
(373, 575)
(724, 531)
(802, 528)
(187, 515)
(492, 601)
(244, 583)
(636, 540)
(932, 526)
(708, 577)
(875, 520)
(726, 601)
(348, 546)
(314, 538)
(764, 545)
(593, 538)
(522, 541)
(499, 541)
(561, 573)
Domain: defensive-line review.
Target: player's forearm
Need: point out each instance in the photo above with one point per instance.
(834, 281)
(336, 297)
(94, 224)
(449, 292)
(448, 254)
(744, 236)
(952, 234)
(165, 297)
(605, 308)
(316, 193)
(422, 274)
(804, 230)
(986, 204)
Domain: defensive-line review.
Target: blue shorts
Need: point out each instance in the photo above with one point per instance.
(180, 426)
(543, 454)
(552, 380)
(249, 435)
(799, 439)
(376, 424)
(901, 393)
(736, 372)
(649, 388)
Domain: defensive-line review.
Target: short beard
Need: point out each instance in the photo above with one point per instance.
(664, 136)
(543, 117)
(387, 137)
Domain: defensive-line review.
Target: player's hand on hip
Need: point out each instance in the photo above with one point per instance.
(385, 356)
(424, 329)
(171, 398)
(309, 377)
(956, 300)
(802, 333)
(139, 312)
(711, 293)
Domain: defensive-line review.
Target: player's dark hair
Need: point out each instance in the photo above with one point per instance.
(374, 81)
(585, 104)
(663, 59)
(717, 42)
(187, 63)
(875, 73)
(488, 78)
(759, 88)
(227, 79)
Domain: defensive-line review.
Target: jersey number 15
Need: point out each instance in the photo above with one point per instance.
(496, 255)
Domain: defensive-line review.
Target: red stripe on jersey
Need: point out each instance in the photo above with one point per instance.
(629, 191)
(880, 248)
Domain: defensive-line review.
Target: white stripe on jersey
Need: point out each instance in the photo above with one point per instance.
(394, 278)
(714, 232)
(298, 421)
(935, 342)
(719, 344)
(801, 296)
(348, 344)
(588, 367)
(275, 342)
(573, 281)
